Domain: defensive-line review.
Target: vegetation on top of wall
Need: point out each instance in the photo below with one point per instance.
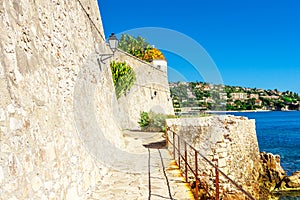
(123, 77)
(138, 47)
(153, 54)
(153, 122)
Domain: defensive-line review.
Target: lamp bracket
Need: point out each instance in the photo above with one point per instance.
(104, 57)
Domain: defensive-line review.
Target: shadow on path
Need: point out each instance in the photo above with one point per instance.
(157, 145)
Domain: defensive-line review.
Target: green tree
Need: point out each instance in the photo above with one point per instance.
(136, 46)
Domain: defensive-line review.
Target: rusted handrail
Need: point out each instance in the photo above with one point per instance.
(195, 172)
(188, 166)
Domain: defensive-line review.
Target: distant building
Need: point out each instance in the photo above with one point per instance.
(198, 86)
(223, 95)
(208, 100)
(239, 96)
(271, 97)
(183, 83)
(254, 96)
(258, 102)
(206, 88)
(190, 95)
(261, 90)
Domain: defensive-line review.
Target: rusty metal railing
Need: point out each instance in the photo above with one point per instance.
(195, 170)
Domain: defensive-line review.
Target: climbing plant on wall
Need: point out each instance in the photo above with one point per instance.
(138, 47)
(123, 77)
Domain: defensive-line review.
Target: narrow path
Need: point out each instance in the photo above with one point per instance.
(163, 180)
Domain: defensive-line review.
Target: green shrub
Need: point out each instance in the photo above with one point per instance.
(153, 122)
(145, 120)
(177, 110)
(123, 77)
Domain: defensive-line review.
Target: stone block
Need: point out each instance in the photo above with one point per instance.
(222, 145)
(5, 148)
(50, 152)
(72, 194)
(28, 166)
(13, 198)
(2, 115)
(215, 137)
(15, 124)
(220, 150)
(223, 154)
(36, 183)
(11, 109)
(222, 162)
(11, 186)
(1, 175)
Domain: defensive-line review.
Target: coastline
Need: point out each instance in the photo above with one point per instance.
(234, 111)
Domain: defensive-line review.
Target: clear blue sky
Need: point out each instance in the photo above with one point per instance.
(253, 43)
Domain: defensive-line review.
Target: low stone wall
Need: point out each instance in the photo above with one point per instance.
(231, 140)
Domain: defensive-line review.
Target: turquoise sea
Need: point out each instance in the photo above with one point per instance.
(279, 133)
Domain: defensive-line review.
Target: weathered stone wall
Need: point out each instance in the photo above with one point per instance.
(43, 46)
(141, 96)
(57, 101)
(231, 140)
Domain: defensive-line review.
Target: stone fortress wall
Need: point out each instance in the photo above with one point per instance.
(48, 62)
(150, 92)
(232, 140)
(43, 44)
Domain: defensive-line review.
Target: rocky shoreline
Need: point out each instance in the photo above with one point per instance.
(273, 179)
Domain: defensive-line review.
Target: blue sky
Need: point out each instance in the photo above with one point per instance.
(252, 43)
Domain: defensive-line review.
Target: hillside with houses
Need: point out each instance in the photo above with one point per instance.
(194, 97)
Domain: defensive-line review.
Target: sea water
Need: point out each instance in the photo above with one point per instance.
(278, 132)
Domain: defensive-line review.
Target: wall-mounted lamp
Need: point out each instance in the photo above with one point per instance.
(154, 94)
(113, 44)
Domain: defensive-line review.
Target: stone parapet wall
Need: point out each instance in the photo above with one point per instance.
(149, 80)
(231, 140)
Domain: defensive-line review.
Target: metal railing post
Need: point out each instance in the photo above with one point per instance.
(217, 181)
(196, 175)
(167, 136)
(189, 166)
(178, 152)
(185, 163)
(174, 145)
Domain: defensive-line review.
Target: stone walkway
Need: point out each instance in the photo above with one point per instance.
(163, 180)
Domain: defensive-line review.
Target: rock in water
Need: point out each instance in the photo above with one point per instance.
(272, 174)
(293, 181)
